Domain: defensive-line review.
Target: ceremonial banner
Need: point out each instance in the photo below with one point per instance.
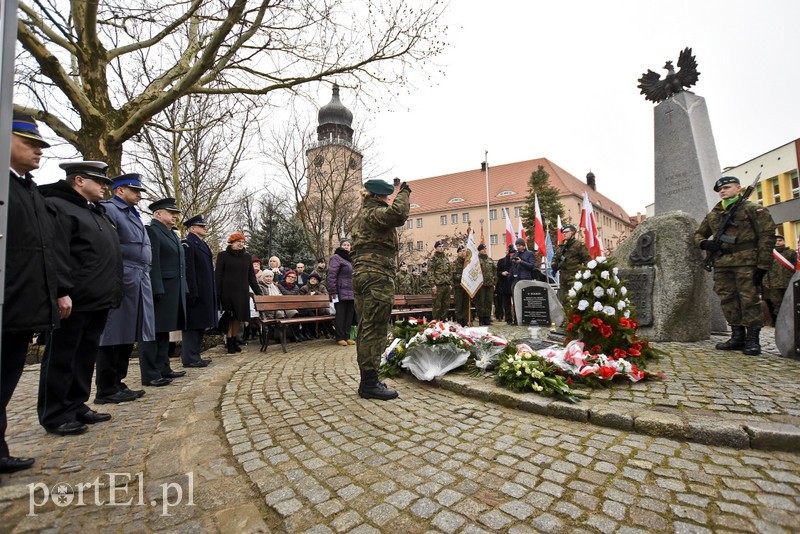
(471, 276)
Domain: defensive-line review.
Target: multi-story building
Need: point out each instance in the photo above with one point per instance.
(779, 187)
(445, 206)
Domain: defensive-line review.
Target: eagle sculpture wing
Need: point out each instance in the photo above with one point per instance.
(655, 89)
(652, 86)
(688, 73)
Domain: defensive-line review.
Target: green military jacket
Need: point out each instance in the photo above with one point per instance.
(570, 256)
(752, 234)
(375, 240)
(489, 270)
(423, 284)
(779, 275)
(457, 267)
(403, 283)
(439, 268)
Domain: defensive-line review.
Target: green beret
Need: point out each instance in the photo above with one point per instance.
(724, 181)
(568, 227)
(379, 187)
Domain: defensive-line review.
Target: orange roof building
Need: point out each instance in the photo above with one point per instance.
(445, 206)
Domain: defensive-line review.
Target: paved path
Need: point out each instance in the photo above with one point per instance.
(281, 443)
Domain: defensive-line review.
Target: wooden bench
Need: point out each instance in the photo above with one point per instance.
(302, 303)
(412, 306)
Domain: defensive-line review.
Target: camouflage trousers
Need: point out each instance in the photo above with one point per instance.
(461, 303)
(374, 294)
(483, 301)
(441, 303)
(738, 295)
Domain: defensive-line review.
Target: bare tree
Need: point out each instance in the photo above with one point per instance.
(97, 72)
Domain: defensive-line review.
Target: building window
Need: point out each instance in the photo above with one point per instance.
(776, 191)
(517, 211)
(419, 245)
(503, 213)
(493, 239)
(410, 246)
(454, 200)
(492, 215)
(465, 217)
(410, 224)
(414, 206)
(505, 193)
(454, 218)
(759, 195)
(795, 185)
(443, 220)
(419, 223)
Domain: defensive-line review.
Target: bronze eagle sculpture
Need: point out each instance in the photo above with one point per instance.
(655, 89)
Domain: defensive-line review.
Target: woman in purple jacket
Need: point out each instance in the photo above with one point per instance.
(340, 286)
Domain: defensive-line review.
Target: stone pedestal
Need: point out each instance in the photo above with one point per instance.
(671, 271)
(787, 327)
(686, 167)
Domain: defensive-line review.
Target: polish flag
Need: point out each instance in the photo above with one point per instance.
(559, 235)
(782, 260)
(539, 241)
(509, 229)
(589, 226)
(521, 231)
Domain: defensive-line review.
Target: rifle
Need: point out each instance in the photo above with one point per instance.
(719, 236)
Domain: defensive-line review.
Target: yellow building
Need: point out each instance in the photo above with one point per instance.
(779, 187)
(444, 207)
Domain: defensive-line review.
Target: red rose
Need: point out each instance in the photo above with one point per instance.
(634, 352)
(569, 381)
(597, 323)
(606, 331)
(576, 318)
(607, 372)
(619, 353)
(596, 349)
(569, 326)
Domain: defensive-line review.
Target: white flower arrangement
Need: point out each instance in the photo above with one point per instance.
(577, 286)
(598, 306)
(598, 292)
(615, 270)
(621, 305)
(592, 264)
(578, 275)
(609, 310)
(583, 304)
(600, 259)
(605, 275)
(587, 274)
(572, 293)
(611, 291)
(627, 314)
(623, 291)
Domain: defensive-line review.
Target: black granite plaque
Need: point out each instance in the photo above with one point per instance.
(639, 282)
(535, 306)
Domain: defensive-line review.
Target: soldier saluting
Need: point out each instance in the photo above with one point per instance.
(743, 253)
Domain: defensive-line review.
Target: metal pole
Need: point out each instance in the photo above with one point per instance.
(488, 218)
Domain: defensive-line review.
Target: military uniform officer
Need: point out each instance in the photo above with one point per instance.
(134, 320)
(744, 261)
(568, 258)
(441, 279)
(169, 293)
(460, 296)
(201, 302)
(89, 267)
(373, 254)
(424, 280)
(777, 279)
(403, 283)
(485, 295)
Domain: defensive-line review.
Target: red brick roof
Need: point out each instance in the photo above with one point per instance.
(432, 194)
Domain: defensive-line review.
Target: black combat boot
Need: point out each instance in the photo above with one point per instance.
(752, 344)
(736, 342)
(230, 344)
(372, 388)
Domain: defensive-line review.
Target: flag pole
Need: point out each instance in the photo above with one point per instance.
(488, 218)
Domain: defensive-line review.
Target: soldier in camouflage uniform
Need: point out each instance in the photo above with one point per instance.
(746, 258)
(424, 283)
(568, 259)
(483, 303)
(374, 248)
(459, 293)
(441, 278)
(777, 279)
(403, 284)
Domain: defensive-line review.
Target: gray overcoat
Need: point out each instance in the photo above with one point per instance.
(134, 320)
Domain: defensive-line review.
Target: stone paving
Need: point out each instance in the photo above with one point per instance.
(281, 443)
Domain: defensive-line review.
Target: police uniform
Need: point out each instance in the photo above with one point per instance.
(201, 302)
(746, 256)
(441, 278)
(568, 259)
(460, 296)
(483, 304)
(373, 254)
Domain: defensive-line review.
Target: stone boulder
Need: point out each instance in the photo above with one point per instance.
(784, 326)
(681, 288)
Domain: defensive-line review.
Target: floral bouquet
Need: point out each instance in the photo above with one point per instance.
(399, 336)
(599, 313)
(485, 352)
(522, 369)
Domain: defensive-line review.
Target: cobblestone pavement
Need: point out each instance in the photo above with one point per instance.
(281, 442)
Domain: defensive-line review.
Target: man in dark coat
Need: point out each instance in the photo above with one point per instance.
(90, 269)
(523, 264)
(168, 277)
(201, 310)
(505, 283)
(134, 320)
(30, 282)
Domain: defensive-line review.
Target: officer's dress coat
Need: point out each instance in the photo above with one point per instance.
(168, 277)
(134, 320)
(202, 311)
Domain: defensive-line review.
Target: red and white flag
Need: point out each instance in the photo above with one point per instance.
(521, 231)
(780, 258)
(559, 234)
(539, 241)
(509, 229)
(589, 226)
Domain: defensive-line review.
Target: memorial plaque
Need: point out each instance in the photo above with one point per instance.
(639, 282)
(535, 306)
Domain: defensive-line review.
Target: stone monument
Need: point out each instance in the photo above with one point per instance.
(787, 327)
(536, 304)
(663, 272)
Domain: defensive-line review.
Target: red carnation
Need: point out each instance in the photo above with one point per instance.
(576, 318)
(597, 323)
(569, 326)
(606, 331)
(619, 353)
(634, 352)
(607, 372)
(596, 349)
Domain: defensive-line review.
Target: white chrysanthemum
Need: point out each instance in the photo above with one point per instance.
(611, 291)
(627, 314)
(601, 259)
(587, 274)
(608, 310)
(597, 306)
(582, 305)
(621, 305)
(578, 275)
(571, 293)
(615, 270)
(616, 280)
(598, 292)
(577, 286)
(623, 290)
(519, 373)
(592, 264)
(605, 275)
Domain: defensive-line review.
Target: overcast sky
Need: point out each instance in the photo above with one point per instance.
(527, 79)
